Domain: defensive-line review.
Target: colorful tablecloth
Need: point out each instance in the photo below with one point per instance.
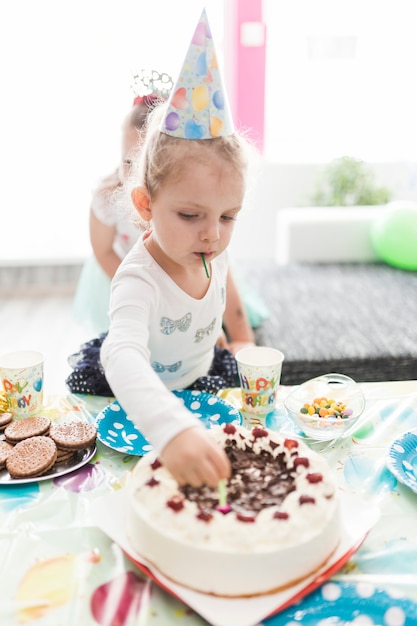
(58, 568)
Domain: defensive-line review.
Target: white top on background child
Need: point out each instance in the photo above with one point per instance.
(166, 314)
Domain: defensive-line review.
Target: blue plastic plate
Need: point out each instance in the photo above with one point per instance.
(402, 459)
(117, 431)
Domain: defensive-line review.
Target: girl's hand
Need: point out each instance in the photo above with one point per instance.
(222, 341)
(233, 346)
(194, 458)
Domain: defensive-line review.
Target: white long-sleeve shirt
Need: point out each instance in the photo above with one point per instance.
(160, 339)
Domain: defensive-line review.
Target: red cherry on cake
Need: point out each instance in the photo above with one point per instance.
(156, 464)
(176, 503)
(290, 444)
(314, 477)
(281, 515)
(301, 460)
(204, 516)
(229, 429)
(259, 432)
(245, 517)
(152, 482)
(306, 500)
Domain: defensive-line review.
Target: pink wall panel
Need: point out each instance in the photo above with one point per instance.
(245, 42)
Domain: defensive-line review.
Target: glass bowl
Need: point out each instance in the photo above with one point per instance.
(309, 407)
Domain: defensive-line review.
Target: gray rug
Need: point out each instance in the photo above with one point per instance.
(355, 319)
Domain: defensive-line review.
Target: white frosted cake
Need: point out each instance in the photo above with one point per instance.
(281, 522)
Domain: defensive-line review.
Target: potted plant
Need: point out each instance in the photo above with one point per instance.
(347, 181)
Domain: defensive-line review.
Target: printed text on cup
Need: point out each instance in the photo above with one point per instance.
(258, 392)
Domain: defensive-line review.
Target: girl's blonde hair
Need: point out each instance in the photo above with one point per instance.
(162, 156)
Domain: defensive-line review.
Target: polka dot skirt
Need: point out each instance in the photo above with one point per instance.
(221, 375)
(88, 375)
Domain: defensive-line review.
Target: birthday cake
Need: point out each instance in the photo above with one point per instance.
(280, 523)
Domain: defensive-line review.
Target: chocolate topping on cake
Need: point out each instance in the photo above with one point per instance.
(269, 477)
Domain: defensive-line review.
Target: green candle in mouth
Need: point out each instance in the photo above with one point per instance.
(205, 265)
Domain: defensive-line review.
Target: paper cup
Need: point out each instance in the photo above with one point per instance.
(259, 369)
(21, 376)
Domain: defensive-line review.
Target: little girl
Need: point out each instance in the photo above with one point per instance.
(166, 313)
(168, 298)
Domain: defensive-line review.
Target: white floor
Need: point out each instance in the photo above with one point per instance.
(44, 324)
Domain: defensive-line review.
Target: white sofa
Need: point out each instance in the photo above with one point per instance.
(325, 234)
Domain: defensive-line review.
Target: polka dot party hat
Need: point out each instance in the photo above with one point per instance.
(198, 107)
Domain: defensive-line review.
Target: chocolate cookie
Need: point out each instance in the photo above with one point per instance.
(27, 427)
(73, 435)
(31, 457)
(5, 449)
(5, 419)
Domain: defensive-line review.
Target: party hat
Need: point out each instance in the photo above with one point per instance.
(198, 107)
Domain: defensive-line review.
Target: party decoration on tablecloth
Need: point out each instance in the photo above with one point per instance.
(123, 598)
(46, 586)
(88, 478)
(346, 603)
(198, 107)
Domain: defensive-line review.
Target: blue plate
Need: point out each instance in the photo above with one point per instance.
(117, 431)
(402, 460)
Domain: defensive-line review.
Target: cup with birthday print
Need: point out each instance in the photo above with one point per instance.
(259, 369)
(21, 377)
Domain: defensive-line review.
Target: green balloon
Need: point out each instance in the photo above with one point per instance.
(394, 237)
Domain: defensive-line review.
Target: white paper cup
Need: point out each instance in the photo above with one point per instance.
(21, 376)
(259, 369)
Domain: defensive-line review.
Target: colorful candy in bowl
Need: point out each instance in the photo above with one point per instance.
(325, 407)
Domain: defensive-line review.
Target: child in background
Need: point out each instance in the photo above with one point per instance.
(112, 231)
(168, 296)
